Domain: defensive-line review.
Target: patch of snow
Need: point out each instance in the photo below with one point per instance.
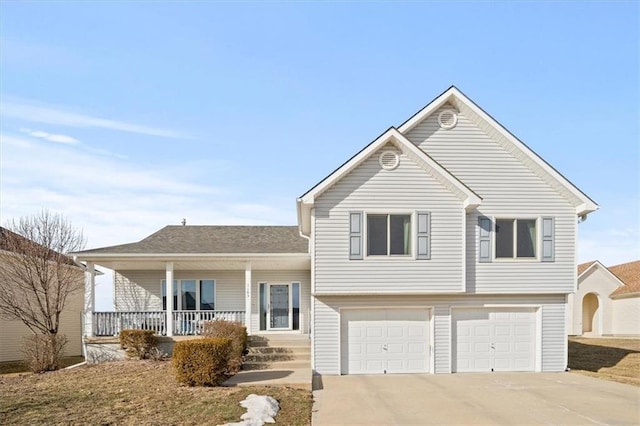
(261, 409)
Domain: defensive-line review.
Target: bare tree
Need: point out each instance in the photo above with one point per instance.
(36, 275)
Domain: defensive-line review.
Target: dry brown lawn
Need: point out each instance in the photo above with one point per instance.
(606, 358)
(7, 367)
(133, 392)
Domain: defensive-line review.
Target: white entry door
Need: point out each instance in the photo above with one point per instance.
(491, 339)
(279, 307)
(384, 341)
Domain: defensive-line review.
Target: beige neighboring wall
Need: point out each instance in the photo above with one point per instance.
(616, 315)
(12, 332)
(626, 315)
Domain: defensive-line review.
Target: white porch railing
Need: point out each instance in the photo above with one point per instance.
(184, 322)
(190, 322)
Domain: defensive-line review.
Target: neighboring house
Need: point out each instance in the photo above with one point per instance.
(607, 302)
(12, 332)
(445, 245)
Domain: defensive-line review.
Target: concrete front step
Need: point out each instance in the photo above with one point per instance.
(279, 341)
(300, 378)
(292, 350)
(277, 357)
(278, 351)
(276, 365)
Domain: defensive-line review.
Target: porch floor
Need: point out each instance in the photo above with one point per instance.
(299, 378)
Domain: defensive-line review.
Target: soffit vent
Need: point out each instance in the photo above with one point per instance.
(448, 119)
(389, 160)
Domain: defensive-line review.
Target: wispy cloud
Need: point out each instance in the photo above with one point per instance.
(610, 246)
(35, 113)
(118, 201)
(51, 137)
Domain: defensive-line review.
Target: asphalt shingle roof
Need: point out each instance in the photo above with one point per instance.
(214, 239)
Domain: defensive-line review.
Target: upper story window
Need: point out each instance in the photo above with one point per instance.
(388, 234)
(379, 234)
(515, 238)
(190, 295)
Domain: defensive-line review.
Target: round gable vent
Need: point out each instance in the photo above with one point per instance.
(389, 160)
(448, 119)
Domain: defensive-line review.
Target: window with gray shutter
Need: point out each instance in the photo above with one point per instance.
(423, 235)
(355, 235)
(548, 231)
(484, 233)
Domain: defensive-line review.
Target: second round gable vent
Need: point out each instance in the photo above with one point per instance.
(389, 160)
(448, 119)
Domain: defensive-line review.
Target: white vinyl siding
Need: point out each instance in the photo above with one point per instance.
(327, 325)
(369, 188)
(508, 189)
(281, 277)
(142, 290)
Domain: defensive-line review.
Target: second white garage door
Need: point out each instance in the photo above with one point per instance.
(384, 341)
(490, 339)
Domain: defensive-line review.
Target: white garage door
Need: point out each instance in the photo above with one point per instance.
(493, 339)
(384, 341)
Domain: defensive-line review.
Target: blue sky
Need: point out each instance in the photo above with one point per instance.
(128, 116)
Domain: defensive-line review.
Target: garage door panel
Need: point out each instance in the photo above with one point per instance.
(503, 331)
(356, 348)
(374, 331)
(417, 348)
(385, 340)
(396, 332)
(481, 331)
(489, 338)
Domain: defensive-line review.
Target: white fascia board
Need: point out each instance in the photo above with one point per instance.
(394, 136)
(588, 206)
(593, 265)
(304, 218)
(427, 110)
(625, 296)
(188, 256)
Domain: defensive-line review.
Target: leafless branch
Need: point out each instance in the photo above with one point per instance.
(36, 275)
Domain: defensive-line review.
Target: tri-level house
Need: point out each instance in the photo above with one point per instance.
(445, 245)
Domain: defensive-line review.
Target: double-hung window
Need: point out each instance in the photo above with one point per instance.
(388, 234)
(190, 295)
(515, 238)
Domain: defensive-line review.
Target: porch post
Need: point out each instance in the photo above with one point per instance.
(169, 287)
(247, 301)
(89, 298)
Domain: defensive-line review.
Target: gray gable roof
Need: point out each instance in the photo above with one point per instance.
(214, 240)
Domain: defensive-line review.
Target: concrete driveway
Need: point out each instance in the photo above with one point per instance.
(465, 399)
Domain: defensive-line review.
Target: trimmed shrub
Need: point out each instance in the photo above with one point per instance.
(231, 330)
(138, 343)
(201, 362)
(43, 352)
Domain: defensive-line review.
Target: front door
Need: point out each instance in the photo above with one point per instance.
(279, 307)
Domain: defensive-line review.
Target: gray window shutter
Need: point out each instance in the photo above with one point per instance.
(548, 231)
(484, 233)
(423, 236)
(355, 235)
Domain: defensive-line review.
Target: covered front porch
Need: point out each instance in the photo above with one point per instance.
(266, 293)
